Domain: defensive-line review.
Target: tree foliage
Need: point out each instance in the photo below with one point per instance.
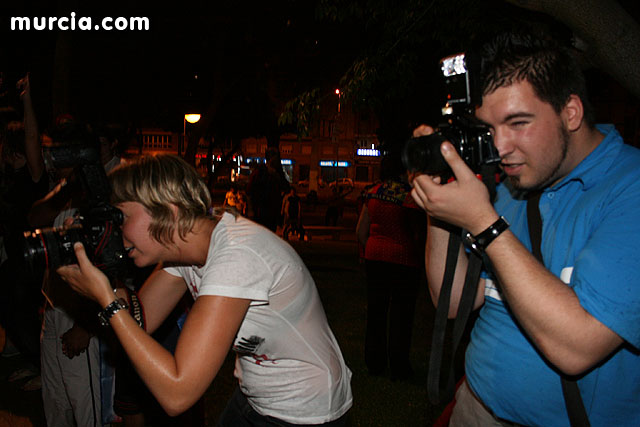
(395, 73)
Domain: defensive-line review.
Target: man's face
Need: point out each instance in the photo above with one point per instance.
(529, 135)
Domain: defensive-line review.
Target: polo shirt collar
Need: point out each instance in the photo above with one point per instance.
(591, 169)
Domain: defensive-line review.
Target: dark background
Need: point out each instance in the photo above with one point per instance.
(242, 61)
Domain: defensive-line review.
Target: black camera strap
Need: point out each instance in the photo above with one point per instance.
(465, 306)
(436, 392)
(572, 398)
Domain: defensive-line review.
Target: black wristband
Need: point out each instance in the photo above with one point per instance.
(479, 243)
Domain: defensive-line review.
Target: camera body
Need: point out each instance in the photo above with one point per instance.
(98, 225)
(470, 137)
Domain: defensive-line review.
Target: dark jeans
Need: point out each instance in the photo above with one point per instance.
(239, 413)
(391, 299)
(20, 303)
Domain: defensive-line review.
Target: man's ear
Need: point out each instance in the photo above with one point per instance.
(573, 113)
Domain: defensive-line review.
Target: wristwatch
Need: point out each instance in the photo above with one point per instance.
(479, 243)
(111, 309)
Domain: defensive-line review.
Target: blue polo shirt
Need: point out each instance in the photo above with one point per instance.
(591, 240)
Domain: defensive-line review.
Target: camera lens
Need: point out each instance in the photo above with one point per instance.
(51, 247)
(35, 251)
(422, 154)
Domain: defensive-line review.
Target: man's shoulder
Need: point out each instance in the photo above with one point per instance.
(620, 156)
(625, 165)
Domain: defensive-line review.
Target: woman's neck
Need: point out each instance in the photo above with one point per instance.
(194, 248)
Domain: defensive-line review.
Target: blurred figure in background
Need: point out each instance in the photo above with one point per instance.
(22, 181)
(267, 184)
(231, 198)
(72, 373)
(291, 211)
(392, 230)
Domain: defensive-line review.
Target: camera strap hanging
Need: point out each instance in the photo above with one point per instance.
(465, 306)
(572, 398)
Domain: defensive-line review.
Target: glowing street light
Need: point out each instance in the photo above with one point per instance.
(191, 118)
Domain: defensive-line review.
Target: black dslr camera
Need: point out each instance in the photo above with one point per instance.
(99, 222)
(470, 137)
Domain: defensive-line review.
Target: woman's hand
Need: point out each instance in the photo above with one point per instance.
(86, 279)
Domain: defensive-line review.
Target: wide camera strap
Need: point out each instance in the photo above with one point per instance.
(438, 393)
(572, 398)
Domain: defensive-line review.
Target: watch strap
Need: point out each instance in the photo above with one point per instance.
(479, 243)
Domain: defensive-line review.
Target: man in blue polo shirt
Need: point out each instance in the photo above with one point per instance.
(579, 313)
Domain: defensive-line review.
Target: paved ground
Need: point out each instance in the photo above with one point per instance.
(338, 273)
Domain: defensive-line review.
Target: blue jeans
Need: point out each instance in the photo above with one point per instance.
(239, 413)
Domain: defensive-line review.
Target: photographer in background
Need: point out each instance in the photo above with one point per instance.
(578, 314)
(70, 347)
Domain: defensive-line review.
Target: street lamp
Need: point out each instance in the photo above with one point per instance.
(191, 118)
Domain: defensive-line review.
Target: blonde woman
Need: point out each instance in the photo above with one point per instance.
(252, 293)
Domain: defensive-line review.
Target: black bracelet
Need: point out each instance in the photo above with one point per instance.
(479, 243)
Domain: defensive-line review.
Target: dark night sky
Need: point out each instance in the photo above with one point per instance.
(241, 49)
(149, 76)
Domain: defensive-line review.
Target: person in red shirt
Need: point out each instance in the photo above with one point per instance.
(391, 229)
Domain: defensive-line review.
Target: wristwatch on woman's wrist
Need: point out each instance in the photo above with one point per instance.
(108, 312)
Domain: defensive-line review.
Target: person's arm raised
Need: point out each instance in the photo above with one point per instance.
(33, 150)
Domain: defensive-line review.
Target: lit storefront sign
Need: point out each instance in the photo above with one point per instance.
(368, 152)
(286, 162)
(333, 163)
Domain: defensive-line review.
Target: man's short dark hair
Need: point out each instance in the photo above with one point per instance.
(550, 67)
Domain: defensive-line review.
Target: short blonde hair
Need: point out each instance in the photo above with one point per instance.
(157, 182)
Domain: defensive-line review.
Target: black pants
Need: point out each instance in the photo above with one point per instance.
(20, 303)
(239, 413)
(391, 299)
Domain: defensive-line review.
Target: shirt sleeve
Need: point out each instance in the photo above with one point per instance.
(174, 271)
(237, 272)
(606, 274)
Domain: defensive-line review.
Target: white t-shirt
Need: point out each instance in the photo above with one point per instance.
(288, 364)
